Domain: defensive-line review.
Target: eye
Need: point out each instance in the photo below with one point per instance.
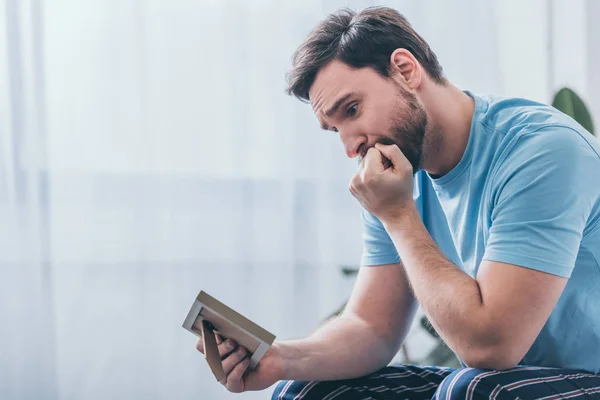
(352, 110)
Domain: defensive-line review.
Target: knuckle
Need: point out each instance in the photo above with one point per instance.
(226, 347)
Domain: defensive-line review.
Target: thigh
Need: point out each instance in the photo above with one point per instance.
(523, 383)
(395, 382)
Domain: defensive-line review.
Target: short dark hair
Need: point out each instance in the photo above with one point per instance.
(364, 39)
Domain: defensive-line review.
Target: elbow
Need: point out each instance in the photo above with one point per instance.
(492, 357)
(494, 348)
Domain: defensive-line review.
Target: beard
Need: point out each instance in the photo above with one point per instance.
(407, 131)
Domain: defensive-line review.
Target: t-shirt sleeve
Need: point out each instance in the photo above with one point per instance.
(378, 248)
(542, 196)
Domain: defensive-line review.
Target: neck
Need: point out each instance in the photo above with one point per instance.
(450, 112)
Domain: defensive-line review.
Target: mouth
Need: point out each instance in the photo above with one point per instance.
(362, 151)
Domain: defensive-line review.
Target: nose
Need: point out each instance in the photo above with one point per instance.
(352, 144)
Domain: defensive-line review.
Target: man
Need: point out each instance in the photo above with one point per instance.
(483, 210)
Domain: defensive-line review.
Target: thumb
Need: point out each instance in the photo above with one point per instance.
(391, 152)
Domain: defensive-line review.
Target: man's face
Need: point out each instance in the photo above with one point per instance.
(366, 108)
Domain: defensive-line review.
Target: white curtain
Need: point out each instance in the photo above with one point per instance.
(148, 151)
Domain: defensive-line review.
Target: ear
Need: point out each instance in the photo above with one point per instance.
(405, 68)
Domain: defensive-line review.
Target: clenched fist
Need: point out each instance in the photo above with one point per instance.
(382, 189)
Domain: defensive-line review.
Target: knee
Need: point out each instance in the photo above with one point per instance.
(466, 383)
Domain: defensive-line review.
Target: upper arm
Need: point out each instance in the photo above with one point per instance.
(383, 299)
(542, 203)
(542, 198)
(517, 303)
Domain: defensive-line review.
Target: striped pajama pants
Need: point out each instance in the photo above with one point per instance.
(416, 382)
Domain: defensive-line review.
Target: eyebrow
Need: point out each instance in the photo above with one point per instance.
(335, 107)
(338, 103)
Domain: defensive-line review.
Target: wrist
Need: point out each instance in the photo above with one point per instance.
(285, 367)
(400, 216)
(290, 359)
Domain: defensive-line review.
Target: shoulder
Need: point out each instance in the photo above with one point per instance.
(552, 146)
(533, 135)
(510, 115)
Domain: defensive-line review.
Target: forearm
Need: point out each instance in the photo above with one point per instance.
(451, 299)
(345, 347)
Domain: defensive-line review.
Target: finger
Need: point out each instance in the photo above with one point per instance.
(226, 347)
(234, 359)
(351, 189)
(355, 184)
(373, 161)
(391, 152)
(235, 382)
(219, 338)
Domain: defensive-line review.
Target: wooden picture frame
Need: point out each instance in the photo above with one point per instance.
(208, 316)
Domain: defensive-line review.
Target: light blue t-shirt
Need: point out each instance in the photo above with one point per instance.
(526, 192)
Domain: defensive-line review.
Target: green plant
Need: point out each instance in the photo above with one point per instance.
(567, 101)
